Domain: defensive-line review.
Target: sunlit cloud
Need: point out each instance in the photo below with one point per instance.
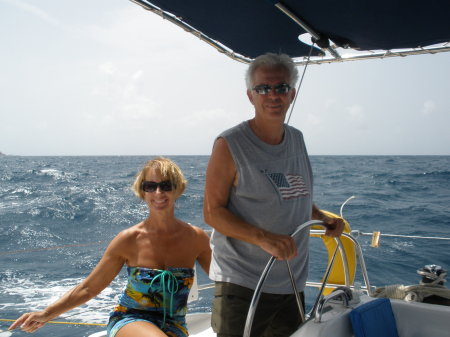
(122, 95)
(141, 30)
(428, 107)
(137, 75)
(328, 103)
(34, 10)
(107, 68)
(313, 120)
(355, 113)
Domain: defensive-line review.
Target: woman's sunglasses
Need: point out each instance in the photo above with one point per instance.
(151, 186)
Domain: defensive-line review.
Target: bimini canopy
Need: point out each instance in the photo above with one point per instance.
(244, 29)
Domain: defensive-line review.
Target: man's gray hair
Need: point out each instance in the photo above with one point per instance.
(272, 60)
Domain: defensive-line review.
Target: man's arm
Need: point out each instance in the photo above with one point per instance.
(335, 226)
(221, 175)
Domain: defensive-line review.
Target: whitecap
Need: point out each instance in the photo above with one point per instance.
(37, 294)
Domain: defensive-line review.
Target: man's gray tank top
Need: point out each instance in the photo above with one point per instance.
(274, 192)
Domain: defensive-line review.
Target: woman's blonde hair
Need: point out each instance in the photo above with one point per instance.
(168, 170)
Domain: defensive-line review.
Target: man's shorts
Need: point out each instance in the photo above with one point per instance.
(276, 315)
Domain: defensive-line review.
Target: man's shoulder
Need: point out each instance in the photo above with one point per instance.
(233, 130)
(293, 130)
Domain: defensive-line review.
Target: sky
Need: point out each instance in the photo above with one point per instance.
(106, 77)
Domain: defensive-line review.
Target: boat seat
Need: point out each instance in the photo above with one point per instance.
(193, 292)
(374, 319)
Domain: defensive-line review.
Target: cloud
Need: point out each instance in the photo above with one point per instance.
(122, 95)
(34, 10)
(140, 30)
(428, 107)
(355, 113)
(313, 120)
(329, 103)
(107, 68)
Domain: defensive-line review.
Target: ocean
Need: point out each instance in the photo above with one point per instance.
(57, 215)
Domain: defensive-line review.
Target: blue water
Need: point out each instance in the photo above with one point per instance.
(57, 215)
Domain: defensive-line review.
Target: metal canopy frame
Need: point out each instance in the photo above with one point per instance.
(177, 21)
(330, 53)
(371, 55)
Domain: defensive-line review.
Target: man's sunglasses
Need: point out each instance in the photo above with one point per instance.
(280, 89)
(151, 186)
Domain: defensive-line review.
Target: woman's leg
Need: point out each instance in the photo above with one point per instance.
(140, 329)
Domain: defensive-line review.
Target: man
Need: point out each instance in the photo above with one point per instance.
(259, 189)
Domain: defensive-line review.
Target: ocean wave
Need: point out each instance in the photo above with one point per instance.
(35, 293)
(51, 206)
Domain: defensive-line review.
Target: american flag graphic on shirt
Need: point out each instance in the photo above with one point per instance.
(290, 185)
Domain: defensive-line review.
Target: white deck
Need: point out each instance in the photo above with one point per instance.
(413, 320)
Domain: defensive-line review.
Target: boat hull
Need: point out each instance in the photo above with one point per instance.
(413, 319)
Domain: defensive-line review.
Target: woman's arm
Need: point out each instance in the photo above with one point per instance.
(204, 257)
(106, 270)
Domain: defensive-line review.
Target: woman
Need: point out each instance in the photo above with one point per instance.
(160, 253)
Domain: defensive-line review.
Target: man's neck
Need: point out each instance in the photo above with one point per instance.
(270, 133)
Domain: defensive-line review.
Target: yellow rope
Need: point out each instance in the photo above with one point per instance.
(54, 322)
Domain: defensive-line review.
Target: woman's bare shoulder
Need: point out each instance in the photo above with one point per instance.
(130, 233)
(192, 228)
(199, 233)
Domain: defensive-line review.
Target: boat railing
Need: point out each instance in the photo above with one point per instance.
(359, 256)
(338, 293)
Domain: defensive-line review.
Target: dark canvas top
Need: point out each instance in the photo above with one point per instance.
(253, 27)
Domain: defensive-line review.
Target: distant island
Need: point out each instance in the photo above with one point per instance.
(2, 154)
